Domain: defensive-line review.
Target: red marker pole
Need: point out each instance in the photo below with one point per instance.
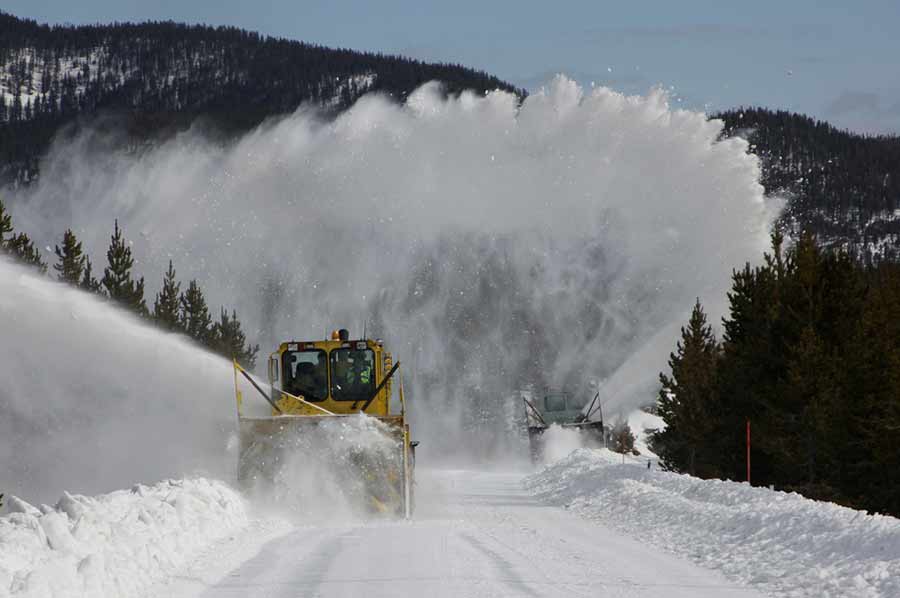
(748, 451)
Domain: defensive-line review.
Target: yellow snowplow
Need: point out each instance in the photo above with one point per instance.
(325, 391)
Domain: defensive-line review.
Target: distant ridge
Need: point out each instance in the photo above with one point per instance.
(159, 75)
(842, 186)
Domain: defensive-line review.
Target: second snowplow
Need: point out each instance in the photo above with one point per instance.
(327, 389)
(566, 411)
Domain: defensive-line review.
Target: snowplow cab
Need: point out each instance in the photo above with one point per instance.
(341, 376)
(559, 407)
(318, 390)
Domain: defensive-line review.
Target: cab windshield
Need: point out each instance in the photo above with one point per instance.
(352, 374)
(306, 374)
(555, 402)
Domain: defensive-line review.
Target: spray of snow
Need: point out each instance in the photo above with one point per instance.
(327, 471)
(559, 442)
(492, 245)
(93, 400)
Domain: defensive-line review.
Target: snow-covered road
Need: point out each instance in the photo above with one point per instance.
(475, 534)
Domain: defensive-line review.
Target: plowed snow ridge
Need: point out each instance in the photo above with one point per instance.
(115, 544)
(129, 542)
(786, 544)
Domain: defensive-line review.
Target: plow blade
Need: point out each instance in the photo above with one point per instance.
(368, 460)
(592, 434)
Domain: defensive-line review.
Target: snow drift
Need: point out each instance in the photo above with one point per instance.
(116, 544)
(784, 543)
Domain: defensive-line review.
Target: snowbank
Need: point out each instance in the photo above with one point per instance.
(115, 544)
(786, 544)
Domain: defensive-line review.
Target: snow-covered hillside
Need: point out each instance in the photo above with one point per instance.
(33, 81)
(784, 543)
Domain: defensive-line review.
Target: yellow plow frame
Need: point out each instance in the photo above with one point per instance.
(381, 474)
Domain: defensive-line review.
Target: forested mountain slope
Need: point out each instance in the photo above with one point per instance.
(843, 187)
(162, 75)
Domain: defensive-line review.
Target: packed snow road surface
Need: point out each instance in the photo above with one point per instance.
(475, 534)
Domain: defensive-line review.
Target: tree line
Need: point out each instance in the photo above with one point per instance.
(810, 356)
(185, 312)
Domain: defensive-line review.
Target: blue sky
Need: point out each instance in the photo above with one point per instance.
(835, 60)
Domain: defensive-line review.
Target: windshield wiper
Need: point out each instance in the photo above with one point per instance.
(380, 386)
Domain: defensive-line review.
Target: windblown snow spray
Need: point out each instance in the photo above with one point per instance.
(93, 400)
(326, 472)
(500, 244)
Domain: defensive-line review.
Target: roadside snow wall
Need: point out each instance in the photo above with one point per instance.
(115, 544)
(781, 542)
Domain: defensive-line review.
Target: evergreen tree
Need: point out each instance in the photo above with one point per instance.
(117, 279)
(6, 226)
(622, 437)
(195, 318)
(22, 248)
(753, 364)
(821, 297)
(18, 246)
(70, 267)
(811, 356)
(688, 402)
(166, 308)
(873, 411)
(88, 282)
(805, 456)
(229, 340)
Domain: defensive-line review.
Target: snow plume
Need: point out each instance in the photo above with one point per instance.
(93, 400)
(329, 469)
(559, 442)
(492, 245)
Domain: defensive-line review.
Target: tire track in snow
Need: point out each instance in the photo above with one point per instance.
(508, 573)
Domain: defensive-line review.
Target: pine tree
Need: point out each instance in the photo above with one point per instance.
(70, 267)
(877, 394)
(166, 308)
(812, 394)
(688, 401)
(230, 341)
(195, 319)
(88, 282)
(753, 365)
(622, 437)
(22, 248)
(18, 246)
(6, 226)
(117, 280)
